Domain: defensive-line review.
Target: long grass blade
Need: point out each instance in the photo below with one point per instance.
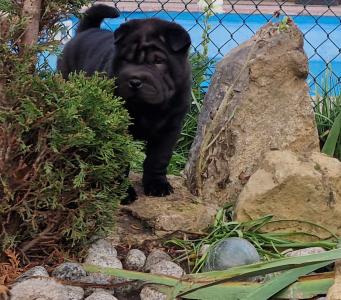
(132, 275)
(333, 137)
(281, 281)
(306, 288)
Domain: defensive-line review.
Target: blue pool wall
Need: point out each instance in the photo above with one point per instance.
(322, 38)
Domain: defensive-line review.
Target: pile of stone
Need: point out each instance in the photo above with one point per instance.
(69, 281)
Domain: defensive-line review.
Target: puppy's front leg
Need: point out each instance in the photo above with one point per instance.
(158, 154)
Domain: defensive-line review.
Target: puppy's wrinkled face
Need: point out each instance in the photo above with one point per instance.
(150, 59)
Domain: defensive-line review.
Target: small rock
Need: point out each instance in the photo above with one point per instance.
(43, 288)
(148, 293)
(105, 247)
(69, 271)
(155, 257)
(127, 289)
(74, 292)
(104, 261)
(35, 271)
(97, 279)
(135, 260)
(101, 295)
(306, 251)
(167, 268)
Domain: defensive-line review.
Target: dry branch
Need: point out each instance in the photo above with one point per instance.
(31, 10)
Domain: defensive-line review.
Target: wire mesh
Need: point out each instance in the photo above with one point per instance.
(217, 26)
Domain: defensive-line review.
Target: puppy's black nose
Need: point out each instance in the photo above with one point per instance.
(135, 83)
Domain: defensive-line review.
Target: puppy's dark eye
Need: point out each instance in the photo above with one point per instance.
(159, 61)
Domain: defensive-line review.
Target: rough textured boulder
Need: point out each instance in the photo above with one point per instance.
(288, 185)
(258, 101)
(334, 292)
(151, 218)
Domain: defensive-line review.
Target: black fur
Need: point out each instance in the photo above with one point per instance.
(149, 58)
(94, 15)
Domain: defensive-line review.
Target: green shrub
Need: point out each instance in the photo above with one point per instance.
(64, 148)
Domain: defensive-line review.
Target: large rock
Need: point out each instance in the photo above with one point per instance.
(258, 100)
(287, 185)
(150, 218)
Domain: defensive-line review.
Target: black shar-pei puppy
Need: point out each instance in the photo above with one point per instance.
(149, 59)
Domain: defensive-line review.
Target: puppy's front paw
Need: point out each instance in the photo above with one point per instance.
(131, 196)
(158, 188)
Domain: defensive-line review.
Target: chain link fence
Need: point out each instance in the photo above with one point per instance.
(217, 27)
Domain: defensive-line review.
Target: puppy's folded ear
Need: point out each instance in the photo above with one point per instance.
(177, 37)
(121, 31)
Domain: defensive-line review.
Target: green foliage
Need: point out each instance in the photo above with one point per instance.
(6, 6)
(64, 147)
(67, 147)
(332, 146)
(268, 245)
(328, 115)
(283, 25)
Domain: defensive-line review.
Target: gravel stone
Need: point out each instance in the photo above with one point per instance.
(148, 293)
(105, 247)
(127, 289)
(102, 260)
(98, 279)
(35, 271)
(306, 251)
(101, 295)
(74, 292)
(135, 260)
(167, 268)
(155, 257)
(69, 271)
(44, 288)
